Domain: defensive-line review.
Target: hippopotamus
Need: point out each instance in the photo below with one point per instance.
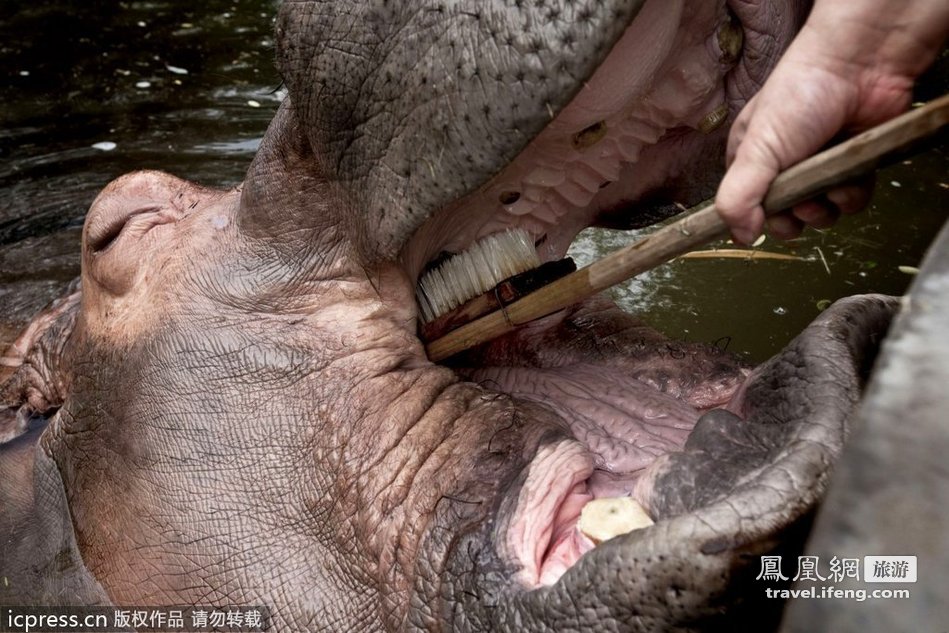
(234, 405)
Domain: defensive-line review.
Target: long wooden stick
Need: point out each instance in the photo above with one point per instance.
(856, 156)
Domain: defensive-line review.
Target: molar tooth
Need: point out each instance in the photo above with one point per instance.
(714, 119)
(603, 519)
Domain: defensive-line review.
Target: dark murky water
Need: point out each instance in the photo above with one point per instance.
(94, 89)
(186, 87)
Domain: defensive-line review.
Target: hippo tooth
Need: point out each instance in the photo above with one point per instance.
(603, 519)
(714, 119)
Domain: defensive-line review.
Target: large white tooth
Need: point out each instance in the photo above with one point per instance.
(603, 519)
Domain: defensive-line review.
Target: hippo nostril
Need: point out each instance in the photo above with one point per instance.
(103, 241)
(103, 234)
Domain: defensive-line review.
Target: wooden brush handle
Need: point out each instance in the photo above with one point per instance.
(856, 156)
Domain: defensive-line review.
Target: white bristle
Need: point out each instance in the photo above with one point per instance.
(475, 271)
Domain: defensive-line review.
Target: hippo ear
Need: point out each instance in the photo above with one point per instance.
(33, 380)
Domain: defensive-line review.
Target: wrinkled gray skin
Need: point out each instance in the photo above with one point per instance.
(240, 412)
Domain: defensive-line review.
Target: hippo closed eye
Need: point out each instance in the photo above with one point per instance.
(238, 409)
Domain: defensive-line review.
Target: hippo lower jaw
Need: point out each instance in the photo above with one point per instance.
(728, 461)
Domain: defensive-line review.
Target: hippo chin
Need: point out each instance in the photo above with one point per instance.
(237, 409)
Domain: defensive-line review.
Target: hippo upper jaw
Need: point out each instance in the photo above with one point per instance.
(642, 139)
(517, 113)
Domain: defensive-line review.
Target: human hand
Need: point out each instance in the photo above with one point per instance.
(851, 67)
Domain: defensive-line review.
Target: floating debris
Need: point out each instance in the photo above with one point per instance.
(823, 259)
(142, 23)
(24, 73)
(739, 253)
(176, 69)
(895, 183)
(143, 84)
(823, 304)
(780, 311)
(760, 240)
(105, 146)
(252, 103)
(909, 270)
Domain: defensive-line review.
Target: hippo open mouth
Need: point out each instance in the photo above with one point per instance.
(725, 459)
(590, 165)
(686, 430)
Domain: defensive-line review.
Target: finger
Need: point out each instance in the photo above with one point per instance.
(852, 197)
(784, 226)
(739, 197)
(818, 213)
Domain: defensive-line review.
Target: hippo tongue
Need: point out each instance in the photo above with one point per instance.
(624, 391)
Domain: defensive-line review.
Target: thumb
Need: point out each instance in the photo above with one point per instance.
(739, 198)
